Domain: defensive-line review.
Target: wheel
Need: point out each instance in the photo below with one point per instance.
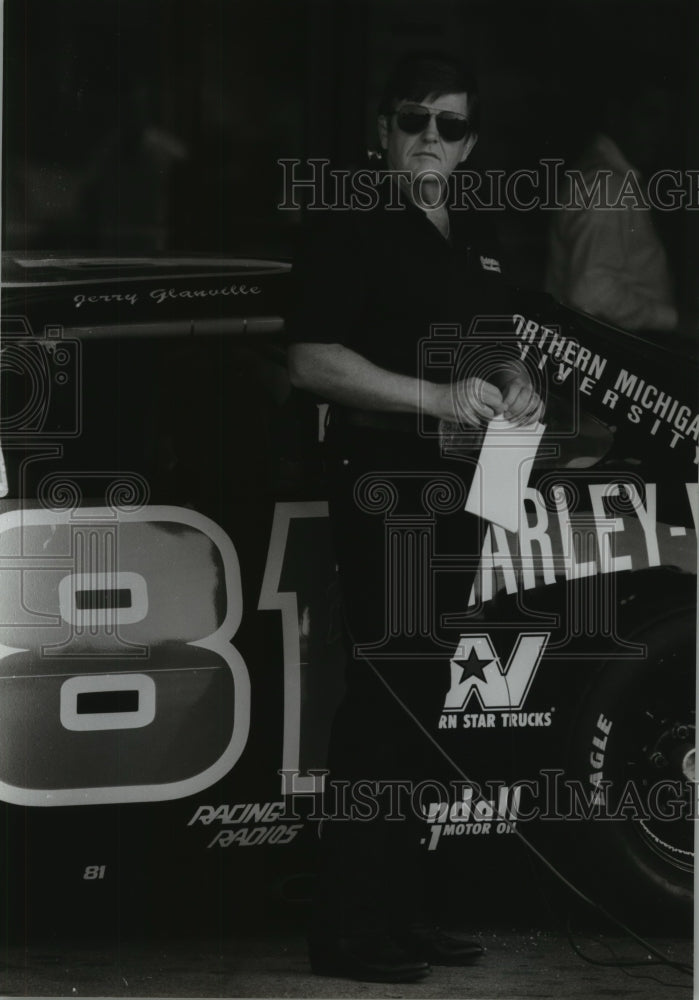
(632, 750)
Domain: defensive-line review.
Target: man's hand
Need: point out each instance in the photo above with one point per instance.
(470, 402)
(521, 404)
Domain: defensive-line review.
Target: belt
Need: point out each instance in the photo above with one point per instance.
(343, 416)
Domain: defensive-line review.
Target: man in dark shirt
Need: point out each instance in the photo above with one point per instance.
(370, 286)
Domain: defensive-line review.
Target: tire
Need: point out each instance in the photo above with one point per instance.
(636, 731)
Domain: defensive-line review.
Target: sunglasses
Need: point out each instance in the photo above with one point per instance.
(414, 118)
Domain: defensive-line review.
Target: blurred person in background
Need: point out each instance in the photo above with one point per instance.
(605, 256)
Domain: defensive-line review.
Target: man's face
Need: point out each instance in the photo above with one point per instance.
(426, 150)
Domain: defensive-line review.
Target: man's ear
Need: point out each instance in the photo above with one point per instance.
(468, 148)
(383, 131)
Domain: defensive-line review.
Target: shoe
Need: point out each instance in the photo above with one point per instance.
(371, 959)
(437, 947)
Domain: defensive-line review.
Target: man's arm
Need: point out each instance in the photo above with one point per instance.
(340, 375)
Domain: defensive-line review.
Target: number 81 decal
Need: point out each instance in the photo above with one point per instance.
(118, 624)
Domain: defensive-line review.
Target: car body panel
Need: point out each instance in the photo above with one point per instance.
(160, 470)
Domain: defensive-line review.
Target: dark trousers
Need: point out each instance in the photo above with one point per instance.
(407, 554)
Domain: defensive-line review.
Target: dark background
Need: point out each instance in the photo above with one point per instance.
(134, 126)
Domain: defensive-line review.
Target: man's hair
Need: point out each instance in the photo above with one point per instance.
(418, 75)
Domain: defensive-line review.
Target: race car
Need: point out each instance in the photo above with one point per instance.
(172, 635)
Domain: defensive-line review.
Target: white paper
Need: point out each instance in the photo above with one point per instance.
(502, 473)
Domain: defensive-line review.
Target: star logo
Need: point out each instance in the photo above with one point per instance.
(501, 689)
(473, 666)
